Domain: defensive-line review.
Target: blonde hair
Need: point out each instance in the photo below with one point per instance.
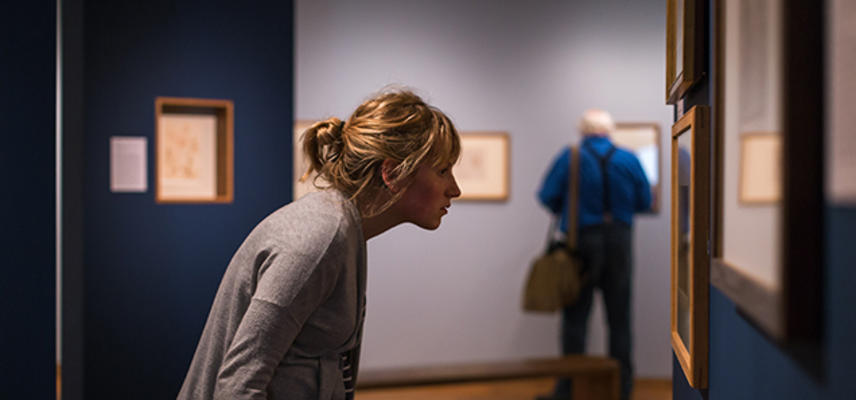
(396, 125)
(596, 121)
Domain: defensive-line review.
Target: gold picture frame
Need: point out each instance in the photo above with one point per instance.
(689, 239)
(643, 139)
(193, 150)
(767, 255)
(483, 170)
(684, 46)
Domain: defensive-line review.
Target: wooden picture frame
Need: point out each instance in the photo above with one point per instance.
(301, 164)
(643, 139)
(193, 150)
(684, 46)
(483, 170)
(689, 240)
(768, 257)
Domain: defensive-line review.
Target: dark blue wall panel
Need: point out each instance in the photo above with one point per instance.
(681, 388)
(27, 199)
(746, 365)
(151, 271)
(840, 300)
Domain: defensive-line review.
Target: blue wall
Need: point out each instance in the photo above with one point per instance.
(151, 271)
(27, 199)
(745, 365)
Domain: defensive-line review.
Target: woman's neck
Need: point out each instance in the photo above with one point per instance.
(375, 225)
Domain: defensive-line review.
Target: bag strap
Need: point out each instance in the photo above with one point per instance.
(574, 193)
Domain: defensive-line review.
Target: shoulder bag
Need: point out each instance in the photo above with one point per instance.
(555, 278)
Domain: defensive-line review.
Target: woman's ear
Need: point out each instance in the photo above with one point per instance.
(387, 170)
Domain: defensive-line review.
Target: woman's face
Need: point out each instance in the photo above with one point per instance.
(428, 197)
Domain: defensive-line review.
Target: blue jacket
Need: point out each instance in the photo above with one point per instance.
(628, 186)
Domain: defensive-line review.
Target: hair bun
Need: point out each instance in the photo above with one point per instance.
(322, 143)
(329, 131)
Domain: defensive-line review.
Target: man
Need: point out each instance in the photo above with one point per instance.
(612, 187)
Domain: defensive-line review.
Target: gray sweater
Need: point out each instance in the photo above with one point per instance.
(289, 303)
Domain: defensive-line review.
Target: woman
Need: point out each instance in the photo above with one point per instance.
(287, 318)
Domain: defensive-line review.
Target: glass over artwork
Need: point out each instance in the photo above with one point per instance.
(684, 155)
(679, 37)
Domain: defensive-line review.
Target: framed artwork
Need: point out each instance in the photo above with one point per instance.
(689, 255)
(643, 139)
(301, 165)
(840, 98)
(769, 167)
(193, 150)
(483, 170)
(684, 46)
(760, 168)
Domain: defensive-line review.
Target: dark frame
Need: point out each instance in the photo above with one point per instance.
(790, 314)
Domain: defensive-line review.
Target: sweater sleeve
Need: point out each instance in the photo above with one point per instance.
(262, 339)
(293, 283)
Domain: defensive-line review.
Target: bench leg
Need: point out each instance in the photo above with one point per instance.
(597, 387)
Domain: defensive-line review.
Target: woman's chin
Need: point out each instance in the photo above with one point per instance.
(428, 225)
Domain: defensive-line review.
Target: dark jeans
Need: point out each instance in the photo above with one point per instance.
(607, 257)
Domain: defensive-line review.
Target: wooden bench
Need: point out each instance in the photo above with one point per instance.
(594, 377)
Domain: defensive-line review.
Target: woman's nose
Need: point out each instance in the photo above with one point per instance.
(454, 190)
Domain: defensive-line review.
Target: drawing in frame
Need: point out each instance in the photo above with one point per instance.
(689, 241)
(840, 98)
(760, 180)
(684, 46)
(643, 140)
(483, 170)
(767, 254)
(193, 150)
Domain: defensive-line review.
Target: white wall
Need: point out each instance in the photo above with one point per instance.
(528, 68)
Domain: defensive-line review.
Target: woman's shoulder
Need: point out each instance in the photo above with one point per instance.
(311, 222)
(325, 207)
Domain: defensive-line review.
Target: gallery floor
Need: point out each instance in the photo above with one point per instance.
(522, 389)
(518, 389)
